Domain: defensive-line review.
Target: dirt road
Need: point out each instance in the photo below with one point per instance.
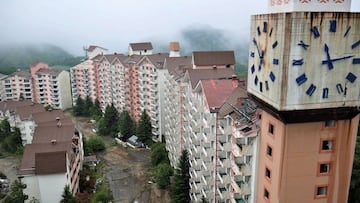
(126, 171)
(9, 167)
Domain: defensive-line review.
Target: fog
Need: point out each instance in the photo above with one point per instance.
(113, 24)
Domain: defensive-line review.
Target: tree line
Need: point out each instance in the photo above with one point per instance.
(10, 138)
(113, 123)
(178, 185)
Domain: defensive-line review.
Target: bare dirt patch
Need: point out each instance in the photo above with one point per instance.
(126, 173)
(9, 167)
(126, 170)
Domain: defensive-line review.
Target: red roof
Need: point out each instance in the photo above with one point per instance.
(217, 91)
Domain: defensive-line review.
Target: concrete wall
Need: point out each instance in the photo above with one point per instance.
(65, 90)
(51, 187)
(32, 187)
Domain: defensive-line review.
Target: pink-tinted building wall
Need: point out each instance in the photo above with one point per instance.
(132, 91)
(35, 67)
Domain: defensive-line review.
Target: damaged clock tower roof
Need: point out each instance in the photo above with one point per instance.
(277, 6)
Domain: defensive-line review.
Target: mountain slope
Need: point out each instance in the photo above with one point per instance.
(14, 57)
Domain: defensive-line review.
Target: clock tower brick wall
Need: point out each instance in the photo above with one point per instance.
(309, 124)
(296, 155)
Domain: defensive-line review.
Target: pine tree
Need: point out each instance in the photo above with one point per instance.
(88, 106)
(181, 187)
(78, 109)
(67, 197)
(108, 125)
(96, 112)
(16, 193)
(163, 173)
(5, 129)
(126, 125)
(144, 128)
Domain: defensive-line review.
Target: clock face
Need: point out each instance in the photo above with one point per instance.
(264, 59)
(325, 61)
(305, 60)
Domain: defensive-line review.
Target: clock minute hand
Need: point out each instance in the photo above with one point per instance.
(336, 59)
(328, 61)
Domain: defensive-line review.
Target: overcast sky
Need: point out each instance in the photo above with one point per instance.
(72, 24)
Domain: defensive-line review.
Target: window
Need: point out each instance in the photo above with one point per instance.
(267, 173)
(266, 194)
(330, 123)
(327, 145)
(269, 151)
(324, 168)
(271, 128)
(321, 191)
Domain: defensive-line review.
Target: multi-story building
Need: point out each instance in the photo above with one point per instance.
(209, 115)
(83, 80)
(180, 82)
(303, 70)
(174, 97)
(150, 84)
(49, 137)
(16, 86)
(51, 86)
(2, 87)
(112, 81)
(132, 86)
(238, 127)
(210, 165)
(134, 83)
(42, 85)
(60, 146)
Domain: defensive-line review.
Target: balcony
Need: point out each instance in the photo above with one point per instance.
(240, 160)
(250, 130)
(235, 168)
(240, 187)
(222, 191)
(223, 178)
(224, 163)
(241, 150)
(222, 138)
(245, 169)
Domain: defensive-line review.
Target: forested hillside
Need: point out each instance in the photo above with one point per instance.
(14, 57)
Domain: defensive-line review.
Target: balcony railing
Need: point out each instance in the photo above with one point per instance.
(241, 187)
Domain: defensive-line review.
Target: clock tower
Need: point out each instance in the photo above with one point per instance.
(304, 71)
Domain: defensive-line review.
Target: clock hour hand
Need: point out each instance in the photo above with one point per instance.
(336, 59)
(257, 48)
(328, 59)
